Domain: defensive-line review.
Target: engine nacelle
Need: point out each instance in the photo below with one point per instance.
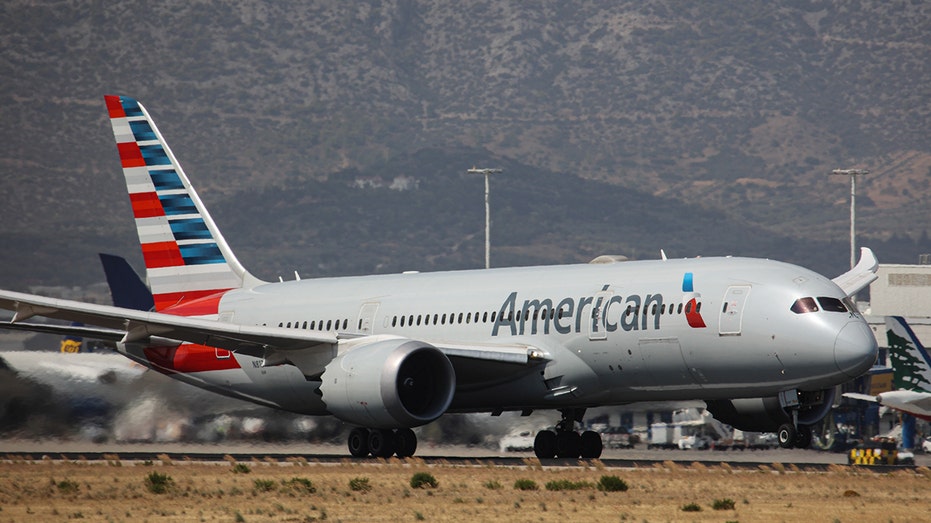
(389, 384)
(767, 414)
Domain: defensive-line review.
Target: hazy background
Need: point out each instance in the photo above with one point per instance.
(333, 137)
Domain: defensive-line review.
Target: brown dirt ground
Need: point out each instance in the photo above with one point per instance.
(60, 491)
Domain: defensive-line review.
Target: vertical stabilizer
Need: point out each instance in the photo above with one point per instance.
(911, 366)
(186, 258)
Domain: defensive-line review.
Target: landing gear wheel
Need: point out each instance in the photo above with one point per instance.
(803, 437)
(786, 435)
(359, 442)
(544, 445)
(568, 444)
(591, 445)
(381, 443)
(405, 442)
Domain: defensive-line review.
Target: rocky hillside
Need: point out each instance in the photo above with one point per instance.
(624, 127)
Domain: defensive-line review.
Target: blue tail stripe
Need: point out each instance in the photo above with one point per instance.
(130, 106)
(154, 155)
(175, 204)
(165, 180)
(201, 254)
(189, 229)
(142, 131)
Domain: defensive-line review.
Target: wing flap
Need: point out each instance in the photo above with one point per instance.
(138, 325)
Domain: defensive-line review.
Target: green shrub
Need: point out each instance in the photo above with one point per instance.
(723, 504)
(66, 486)
(565, 484)
(360, 485)
(612, 484)
(525, 484)
(691, 507)
(423, 480)
(300, 484)
(158, 483)
(241, 468)
(492, 485)
(264, 485)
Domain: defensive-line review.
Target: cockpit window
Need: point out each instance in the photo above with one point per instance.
(827, 304)
(851, 305)
(803, 305)
(832, 304)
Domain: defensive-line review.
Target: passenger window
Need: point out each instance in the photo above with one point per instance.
(443, 319)
(329, 325)
(460, 318)
(394, 321)
(831, 304)
(345, 323)
(493, 315)
(803, 305)
(419, 317)
(402, 320)
(304, 325)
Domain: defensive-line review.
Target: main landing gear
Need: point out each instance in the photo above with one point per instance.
(382, 443)
(791, 437)
(565, 442)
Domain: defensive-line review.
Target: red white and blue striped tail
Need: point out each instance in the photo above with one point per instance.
(189, 265)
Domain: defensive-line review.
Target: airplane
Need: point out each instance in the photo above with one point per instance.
(911, 372)
(762, 342)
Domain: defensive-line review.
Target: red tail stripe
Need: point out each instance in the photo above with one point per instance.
(146, 205)
(130, 154)
(114, 106)
(162, 254)
(189, 303)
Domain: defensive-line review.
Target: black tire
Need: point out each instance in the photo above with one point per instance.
(568, 444)
(786, 435)
(405, 443)
(544, 445)
(359, 442)
(381, 443)
(591, 445)
(803, 437)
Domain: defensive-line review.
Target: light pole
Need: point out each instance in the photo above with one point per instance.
(852, 173)
(486, 172)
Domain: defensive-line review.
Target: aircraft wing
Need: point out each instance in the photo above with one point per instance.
(856, 279)
(83, 331)
(140, 325)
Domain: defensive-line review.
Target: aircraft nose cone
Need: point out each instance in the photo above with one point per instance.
(855, 349)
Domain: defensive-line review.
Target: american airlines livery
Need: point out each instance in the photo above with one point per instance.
(763, 343)
(911, 372)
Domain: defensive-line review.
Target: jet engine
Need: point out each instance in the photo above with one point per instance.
(389, 384)
(768, 414)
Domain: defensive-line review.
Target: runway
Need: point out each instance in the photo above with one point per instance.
(24, 450)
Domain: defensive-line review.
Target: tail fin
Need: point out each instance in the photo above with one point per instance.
(188, 263)
(126, 289)
(911, 366)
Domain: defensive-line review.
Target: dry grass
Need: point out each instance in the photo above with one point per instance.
(55, 491)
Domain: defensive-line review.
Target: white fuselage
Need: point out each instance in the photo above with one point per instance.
(613, 333)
